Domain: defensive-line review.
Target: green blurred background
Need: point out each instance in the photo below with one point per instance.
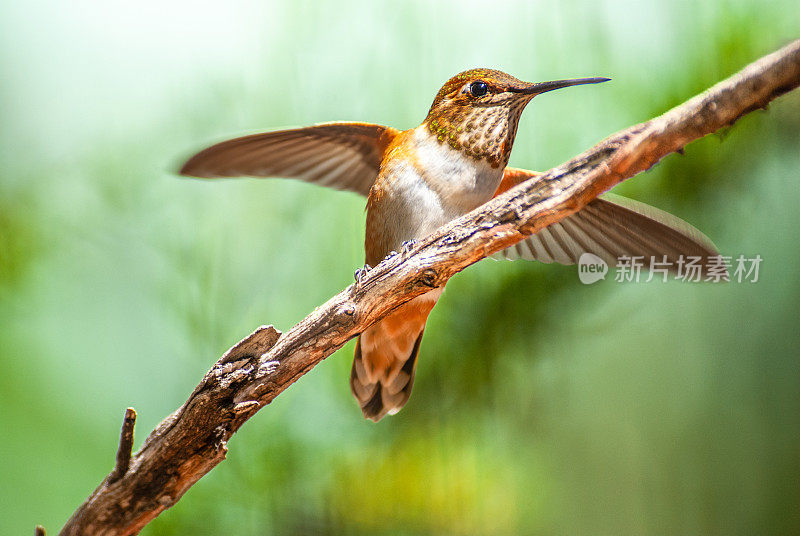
(541, 406)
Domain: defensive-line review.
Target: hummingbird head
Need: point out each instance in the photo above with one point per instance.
(477, 111)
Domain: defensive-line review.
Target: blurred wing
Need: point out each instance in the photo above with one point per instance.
(612, 227)
(344, 156)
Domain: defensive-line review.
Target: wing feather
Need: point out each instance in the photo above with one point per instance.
(611, 227)
(343, 156)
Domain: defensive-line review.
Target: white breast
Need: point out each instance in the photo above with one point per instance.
(439, 185)
(461, 182)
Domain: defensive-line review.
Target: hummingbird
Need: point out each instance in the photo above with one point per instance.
(419, 179)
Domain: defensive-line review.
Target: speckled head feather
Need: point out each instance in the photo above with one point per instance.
(483, 123)
(496, 80)
(482, 127)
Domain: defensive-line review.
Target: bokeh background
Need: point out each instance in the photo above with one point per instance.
(541, 406)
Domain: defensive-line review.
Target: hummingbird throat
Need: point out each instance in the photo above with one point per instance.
(479, 132)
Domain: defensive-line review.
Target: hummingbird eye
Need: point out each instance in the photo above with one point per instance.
(478, 88)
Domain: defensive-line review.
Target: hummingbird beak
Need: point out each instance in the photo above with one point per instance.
(544, 87)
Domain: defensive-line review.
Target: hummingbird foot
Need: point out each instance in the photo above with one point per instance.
(407, 245)
(361, 273)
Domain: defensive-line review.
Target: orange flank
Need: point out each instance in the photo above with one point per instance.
(512, 177)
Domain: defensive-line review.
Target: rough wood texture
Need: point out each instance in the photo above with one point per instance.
(125, 450)
(191, 441)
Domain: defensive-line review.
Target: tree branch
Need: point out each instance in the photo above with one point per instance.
(193, 440)
(125, 449)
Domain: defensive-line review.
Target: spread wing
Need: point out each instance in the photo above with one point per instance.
(344, 156)
(610, 227)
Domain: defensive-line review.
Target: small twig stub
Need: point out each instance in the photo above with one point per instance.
(125, 449)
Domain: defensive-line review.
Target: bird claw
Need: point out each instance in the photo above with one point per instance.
(407, 245)
(361, 273)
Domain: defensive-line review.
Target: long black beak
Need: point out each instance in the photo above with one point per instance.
(544, 87)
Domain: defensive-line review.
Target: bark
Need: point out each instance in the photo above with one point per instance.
(193, 440)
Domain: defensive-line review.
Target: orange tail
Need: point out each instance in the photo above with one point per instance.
(386, 358)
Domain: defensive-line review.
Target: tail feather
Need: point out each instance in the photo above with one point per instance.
(387, 393)
(386, 358)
